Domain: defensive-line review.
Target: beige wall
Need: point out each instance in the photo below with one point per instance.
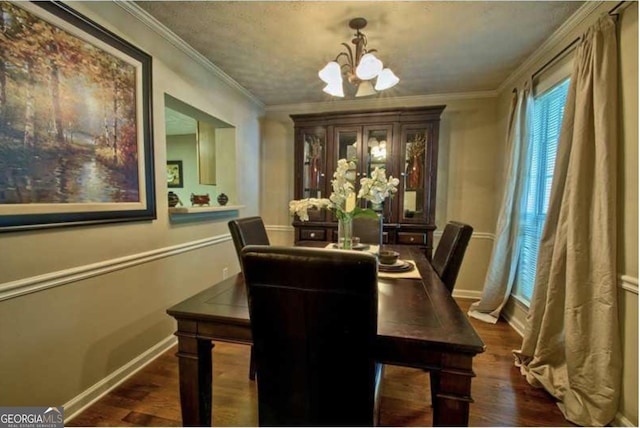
(628, 208)
(467, 161)
(58, 342)
(627, 194)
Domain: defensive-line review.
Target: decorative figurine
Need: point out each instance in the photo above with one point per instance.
(200, 199)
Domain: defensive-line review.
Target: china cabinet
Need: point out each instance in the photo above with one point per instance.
(403, 142)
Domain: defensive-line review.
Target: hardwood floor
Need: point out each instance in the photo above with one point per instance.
(502, 396)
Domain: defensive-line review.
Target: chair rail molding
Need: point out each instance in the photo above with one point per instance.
(628, 283)
(475, 235)
(33, 284)
(279, 228)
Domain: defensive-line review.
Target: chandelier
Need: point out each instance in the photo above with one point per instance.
(360, 67)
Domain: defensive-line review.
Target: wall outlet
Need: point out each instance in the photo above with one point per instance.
(225, 272)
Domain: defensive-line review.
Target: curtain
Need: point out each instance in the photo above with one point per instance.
(506, 246)
(571, 343)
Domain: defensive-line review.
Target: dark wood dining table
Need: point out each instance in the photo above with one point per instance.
(419, 325)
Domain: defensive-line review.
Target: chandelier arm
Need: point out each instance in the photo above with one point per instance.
(361, 42)
(343, 54)
(348, 54)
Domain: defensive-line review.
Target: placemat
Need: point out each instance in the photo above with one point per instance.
(412, 274)
(373, 249)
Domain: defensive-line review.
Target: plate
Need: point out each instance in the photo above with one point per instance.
(398, 266)
(355, 247)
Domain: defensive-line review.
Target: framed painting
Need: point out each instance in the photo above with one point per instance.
(174, 174)
(75, 121)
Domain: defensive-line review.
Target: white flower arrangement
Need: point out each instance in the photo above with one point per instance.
(375, 189)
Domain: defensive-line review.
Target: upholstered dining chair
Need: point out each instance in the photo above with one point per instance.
(313, 321)
(248, 231)
(446, 261)
(449, 253)
(369, 230)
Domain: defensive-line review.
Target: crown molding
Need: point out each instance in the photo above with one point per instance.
(545, 49)
(364, 103)
(156, 26)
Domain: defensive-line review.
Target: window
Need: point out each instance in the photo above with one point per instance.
(548, 108)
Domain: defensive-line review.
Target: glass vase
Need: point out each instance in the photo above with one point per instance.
(345, 233)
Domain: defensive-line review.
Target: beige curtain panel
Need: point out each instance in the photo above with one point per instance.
(571, 345)
(506, 246)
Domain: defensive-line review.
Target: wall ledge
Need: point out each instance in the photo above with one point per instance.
(195, 210)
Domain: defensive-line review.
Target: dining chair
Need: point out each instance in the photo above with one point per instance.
(313, 320)
(446, 261)
(369, 230)
(449, 254)
(248, 231)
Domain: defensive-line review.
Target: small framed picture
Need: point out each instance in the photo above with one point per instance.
(174, 173)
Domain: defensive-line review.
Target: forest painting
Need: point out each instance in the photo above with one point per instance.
(74, 127)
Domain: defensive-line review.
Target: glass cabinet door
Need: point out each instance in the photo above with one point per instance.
(347, 143)
(313, 177)
(314, 182)
(377, 154)
(414, 192)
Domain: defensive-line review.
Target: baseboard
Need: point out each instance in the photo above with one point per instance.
(78, 404)
(517, 317)
(621, 421)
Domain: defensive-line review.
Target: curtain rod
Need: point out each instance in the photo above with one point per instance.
(556, 57)
(615, 11)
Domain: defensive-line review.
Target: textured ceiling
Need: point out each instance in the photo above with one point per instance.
(274, 49)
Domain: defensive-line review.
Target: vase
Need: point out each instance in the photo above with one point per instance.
(345, 233)
(223, 199)
(174, 200)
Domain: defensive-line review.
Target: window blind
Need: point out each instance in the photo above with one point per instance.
(548, 109)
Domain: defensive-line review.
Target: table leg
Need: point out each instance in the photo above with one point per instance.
(195, 370)
(452, 394)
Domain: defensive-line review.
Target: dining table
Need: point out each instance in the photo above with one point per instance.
(419, 325)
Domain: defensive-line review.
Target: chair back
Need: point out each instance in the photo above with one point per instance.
(314, 321)
(369, 230)
(450, 252)
(247, 231)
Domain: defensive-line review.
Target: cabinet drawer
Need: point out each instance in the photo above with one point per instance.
(313, 234)
(412, 238)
